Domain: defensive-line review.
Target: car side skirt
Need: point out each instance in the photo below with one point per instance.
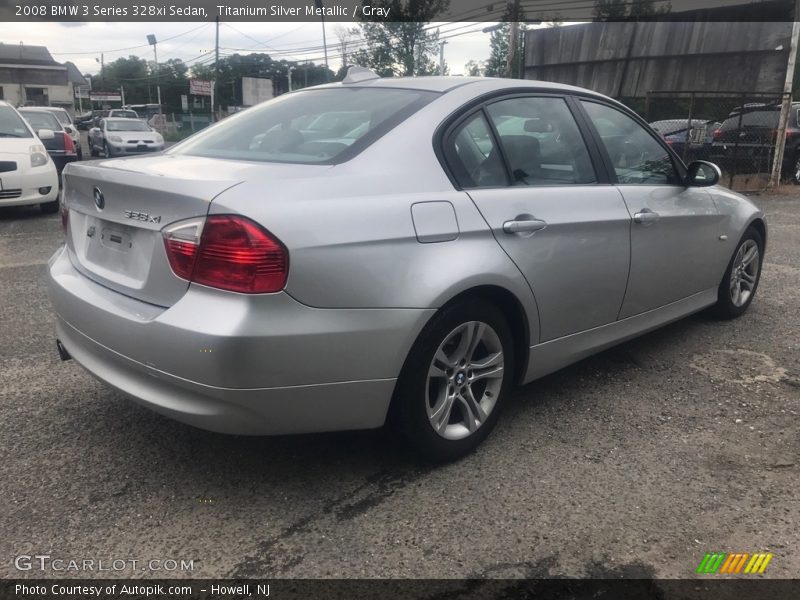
(553, 355)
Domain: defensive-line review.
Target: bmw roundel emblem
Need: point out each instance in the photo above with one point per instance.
(99, 199)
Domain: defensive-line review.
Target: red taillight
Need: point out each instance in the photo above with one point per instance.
(69, 146)
(717, 134)
(227, 252)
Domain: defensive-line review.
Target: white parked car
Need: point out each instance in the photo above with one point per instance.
(27, 173)
(65, 119)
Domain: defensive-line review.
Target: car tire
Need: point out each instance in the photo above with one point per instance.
(80, 154)
(740, 282)
(49, 208)
(441, 391)
(92, 150)
(794, 176)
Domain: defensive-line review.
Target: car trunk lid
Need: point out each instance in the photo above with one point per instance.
(117, 209)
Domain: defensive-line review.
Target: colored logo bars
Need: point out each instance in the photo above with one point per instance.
(720, 562)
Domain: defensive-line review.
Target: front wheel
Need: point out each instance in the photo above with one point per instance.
(740, 282)
(455, 379)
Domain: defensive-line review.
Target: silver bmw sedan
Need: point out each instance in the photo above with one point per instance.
(389, 250)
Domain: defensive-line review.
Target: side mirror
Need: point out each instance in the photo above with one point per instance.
(702, 173)
(46, 134)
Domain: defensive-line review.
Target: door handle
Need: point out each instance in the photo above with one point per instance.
(524, 226)
(646, 217)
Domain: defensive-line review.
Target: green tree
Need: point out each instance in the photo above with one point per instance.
(620, 10)
(404, 46)
(498, 43)
(475, 68)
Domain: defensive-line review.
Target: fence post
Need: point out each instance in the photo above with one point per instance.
(786, 105)
(734, 161)
(688, 128)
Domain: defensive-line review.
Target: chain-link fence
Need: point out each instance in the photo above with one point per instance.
(737, 131)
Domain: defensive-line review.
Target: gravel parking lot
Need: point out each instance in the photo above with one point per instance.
(635, 462)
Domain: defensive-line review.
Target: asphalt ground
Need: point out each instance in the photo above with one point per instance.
(635, 462)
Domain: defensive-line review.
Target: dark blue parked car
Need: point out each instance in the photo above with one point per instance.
(701, 136)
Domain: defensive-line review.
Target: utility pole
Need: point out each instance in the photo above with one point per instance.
(289, 74)
(216, 75)
(513, 37)
(441, 57)
(320, 7)
(786, 105)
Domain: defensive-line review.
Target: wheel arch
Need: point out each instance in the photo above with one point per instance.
(761, 226)
(518, 322)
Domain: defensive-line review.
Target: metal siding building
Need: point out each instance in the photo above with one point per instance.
(629, 59)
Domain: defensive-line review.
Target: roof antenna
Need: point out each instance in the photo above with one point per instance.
(357, 74)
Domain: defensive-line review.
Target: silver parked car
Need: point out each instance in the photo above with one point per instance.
(115, 136)
(474, 235)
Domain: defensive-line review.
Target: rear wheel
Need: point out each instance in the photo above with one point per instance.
(740, 282)
(454, 382)
(795, 174)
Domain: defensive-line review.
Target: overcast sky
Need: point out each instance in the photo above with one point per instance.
(82, 43)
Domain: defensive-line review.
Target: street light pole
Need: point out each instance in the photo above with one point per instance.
(151, 39)
(441, 57)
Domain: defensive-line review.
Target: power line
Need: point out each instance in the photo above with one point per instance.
(95, 52)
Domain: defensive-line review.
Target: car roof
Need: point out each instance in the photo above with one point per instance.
(39, 108)
(444, 84)
(121, 120)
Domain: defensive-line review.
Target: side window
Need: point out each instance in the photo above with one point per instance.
(541, 142)
(476, 161)
(636, 156)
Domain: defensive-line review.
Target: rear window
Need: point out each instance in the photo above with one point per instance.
(62, 116)
(41, 120)
(320, 126)
(12, 125)
(128, 114)
(767, 118)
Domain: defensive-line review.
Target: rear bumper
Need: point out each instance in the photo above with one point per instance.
(233, 363)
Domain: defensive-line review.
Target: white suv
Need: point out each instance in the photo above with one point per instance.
(27, 173)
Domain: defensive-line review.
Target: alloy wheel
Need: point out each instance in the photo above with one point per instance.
(464, 380)
(744, 273)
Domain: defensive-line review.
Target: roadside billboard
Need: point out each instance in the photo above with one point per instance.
(256, 90)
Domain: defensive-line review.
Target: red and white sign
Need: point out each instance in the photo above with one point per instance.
(105, 96)
(200, 87)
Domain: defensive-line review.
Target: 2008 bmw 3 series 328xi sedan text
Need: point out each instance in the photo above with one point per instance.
(401, 250)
